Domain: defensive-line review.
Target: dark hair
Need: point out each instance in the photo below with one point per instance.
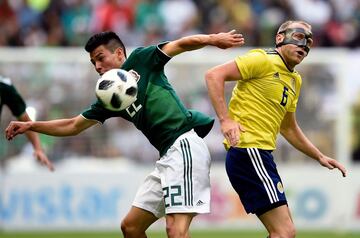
(109, 39)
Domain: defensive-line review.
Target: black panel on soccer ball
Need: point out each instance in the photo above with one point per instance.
(115, 101)
(105, 84)
(131, 91)
(122, 76)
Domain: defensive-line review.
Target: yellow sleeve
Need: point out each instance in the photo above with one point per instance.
(253, 64)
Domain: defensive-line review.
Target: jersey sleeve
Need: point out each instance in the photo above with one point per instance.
(14, 101)
(253, 64)
(97, 112)
(151, 57)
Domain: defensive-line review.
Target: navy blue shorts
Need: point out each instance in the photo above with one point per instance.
(252, 173)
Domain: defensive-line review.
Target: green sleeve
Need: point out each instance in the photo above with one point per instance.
(13, 100)
(99, 113)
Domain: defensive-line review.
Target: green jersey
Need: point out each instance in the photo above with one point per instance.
(158, 112)
(10, 97)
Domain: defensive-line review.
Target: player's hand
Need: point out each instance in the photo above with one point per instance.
(229, 39)
(231, 131)
(15, 128)
(43, 159)
(332, 164)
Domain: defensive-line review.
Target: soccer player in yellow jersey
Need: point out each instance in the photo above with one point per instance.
(263, 103)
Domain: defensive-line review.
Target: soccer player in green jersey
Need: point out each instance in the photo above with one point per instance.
(179, 186)
(263, 103)
(10, 97)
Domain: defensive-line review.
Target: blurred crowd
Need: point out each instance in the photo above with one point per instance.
(142, 22)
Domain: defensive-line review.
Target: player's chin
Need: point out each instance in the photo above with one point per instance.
(298, 59)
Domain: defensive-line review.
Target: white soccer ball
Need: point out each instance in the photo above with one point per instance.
(116, 89)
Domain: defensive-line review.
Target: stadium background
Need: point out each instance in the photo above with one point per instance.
(41, 50)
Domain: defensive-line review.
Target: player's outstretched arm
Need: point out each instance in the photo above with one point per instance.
(35, 141)
(294, 135)
(221, 40)
(60, 127)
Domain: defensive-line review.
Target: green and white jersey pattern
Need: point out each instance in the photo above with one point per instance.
(157, 112)
(10, 97)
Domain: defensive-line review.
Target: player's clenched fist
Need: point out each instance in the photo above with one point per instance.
(15, 128)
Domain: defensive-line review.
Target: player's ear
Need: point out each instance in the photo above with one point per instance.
(119, 52)
(279, 38)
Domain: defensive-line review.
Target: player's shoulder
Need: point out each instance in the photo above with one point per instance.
(257, 56)
(263, 52)
(143, 49)
(269, 55)
(270, 51)
(141, 53)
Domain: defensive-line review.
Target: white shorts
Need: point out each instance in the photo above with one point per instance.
(180, 182)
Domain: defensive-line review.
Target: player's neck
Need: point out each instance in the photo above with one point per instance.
(289, 66)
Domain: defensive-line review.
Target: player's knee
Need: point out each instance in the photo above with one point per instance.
(291, 232)
(131, 230)
(287, 232)
(125, 227)
(173, 231)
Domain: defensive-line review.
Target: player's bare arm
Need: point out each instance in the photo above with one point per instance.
(294, 135)
(215, 80)
(221, 40)
(60, 127)
(35, 141)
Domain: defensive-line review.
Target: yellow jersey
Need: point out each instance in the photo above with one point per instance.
(259, 102)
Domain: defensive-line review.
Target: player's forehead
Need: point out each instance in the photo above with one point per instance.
(101, 49)
(300, 25)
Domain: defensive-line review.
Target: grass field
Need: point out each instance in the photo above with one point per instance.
(195, 234)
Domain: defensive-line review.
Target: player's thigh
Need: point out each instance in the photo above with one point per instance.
(277, 219)
(139, 218)
(150, 195)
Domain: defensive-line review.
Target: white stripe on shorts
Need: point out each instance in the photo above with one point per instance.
(263, 174)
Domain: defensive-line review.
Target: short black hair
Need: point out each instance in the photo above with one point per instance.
(107, 38)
